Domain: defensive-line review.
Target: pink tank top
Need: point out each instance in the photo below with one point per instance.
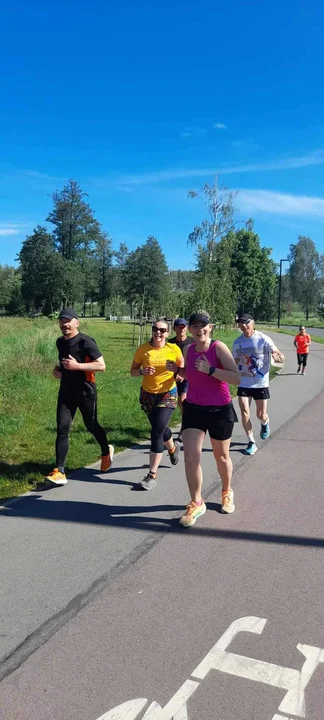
(204, 389)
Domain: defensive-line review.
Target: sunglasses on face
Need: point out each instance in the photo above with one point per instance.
(161, 330)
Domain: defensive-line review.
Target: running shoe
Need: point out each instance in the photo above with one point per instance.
(265, 431)
(298, 370)
(251, 448)
(174, 457)
(193, 512)
(148, 482)
(55, 477)
(107, 460)
(303, 373)
(228, 502)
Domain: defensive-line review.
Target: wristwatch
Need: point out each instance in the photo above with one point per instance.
(211, 370)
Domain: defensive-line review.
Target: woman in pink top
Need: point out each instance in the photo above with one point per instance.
(209, 367)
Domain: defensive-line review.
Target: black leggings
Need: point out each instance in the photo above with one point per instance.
(67, 406)
(160, 433)
(302, 359)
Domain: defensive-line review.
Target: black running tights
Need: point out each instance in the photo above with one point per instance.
(160, 432)
(302, 359)
(67, 406)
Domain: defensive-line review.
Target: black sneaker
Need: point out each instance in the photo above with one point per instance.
(174, 457)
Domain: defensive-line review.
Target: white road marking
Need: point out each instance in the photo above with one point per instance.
(294, 681)
(289, 679)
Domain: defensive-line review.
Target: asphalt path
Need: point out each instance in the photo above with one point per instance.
(105, 599)
(311, 330)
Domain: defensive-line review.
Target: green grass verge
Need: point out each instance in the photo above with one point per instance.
(28, 395)
(283, 331)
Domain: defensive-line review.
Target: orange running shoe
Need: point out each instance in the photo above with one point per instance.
(193, 512)
(56, 477)
(228, 502)
(107, 460)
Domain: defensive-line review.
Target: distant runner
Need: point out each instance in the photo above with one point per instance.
(182, 340)
(252, 352)
(302, 343)
(158, 362)
(79, 360)
(207, 408)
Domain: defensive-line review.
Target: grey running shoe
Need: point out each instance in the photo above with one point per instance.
(174, 457)
(148, 482)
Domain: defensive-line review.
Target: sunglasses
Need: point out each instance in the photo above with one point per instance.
(161, 330)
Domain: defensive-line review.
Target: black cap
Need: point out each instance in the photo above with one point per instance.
(68, 314)
(245, 317)
(179, 321)
(199, 317)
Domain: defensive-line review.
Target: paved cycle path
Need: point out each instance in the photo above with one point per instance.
(62, 548)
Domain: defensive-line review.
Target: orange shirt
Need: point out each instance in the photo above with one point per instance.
(302, 343)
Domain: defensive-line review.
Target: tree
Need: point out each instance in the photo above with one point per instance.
(146, 278)
(253, 273)
(305, 273)
(219, 203)
(41, 278)
(116, 273)
(103, 258)
(75, 228)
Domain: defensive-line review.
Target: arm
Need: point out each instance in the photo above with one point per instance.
(97, 365)
(277, 355)
(229, 373)
(180, 370)
(295, 343)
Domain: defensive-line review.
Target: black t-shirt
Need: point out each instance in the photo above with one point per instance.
(84, 349)
(181, 343)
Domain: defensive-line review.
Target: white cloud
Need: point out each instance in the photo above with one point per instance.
(8, 229)
(36, 175)
(219, 126)
(288, 163)
(193, 132)
(280, 203)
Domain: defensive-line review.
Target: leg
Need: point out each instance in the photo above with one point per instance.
(261, 411)
(192, 444)
(304, 356)
(223, 461)
(245, 404)
(66, 409)
(160, 435)
(88, 408)
(299, 361)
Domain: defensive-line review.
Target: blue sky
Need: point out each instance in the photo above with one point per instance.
(142, 101)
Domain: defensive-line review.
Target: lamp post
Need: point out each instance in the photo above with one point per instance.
(279, 290)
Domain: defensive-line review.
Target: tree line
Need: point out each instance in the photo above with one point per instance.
(75, 263)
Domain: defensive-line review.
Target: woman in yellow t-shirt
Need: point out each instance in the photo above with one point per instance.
(158, 362)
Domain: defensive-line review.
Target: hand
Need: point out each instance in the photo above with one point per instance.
(149, 370)
(70, 363)
(171, 366)
(202, 364)
(57, 373)
(278, 356)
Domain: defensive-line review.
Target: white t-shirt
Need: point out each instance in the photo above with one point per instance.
(253, 358)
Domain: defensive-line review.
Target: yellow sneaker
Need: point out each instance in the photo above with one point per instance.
(56, 477)
(228, 502)
(193, 512)
(106, 460)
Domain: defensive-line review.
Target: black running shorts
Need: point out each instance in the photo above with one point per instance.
(217, 420)
(255, 393)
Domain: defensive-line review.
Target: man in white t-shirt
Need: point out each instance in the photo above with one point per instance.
(252, 352)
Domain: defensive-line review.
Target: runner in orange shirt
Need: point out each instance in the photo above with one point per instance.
(302, 342)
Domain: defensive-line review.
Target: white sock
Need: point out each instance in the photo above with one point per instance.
(251, 437)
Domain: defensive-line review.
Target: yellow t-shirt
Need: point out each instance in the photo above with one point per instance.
(163, 380)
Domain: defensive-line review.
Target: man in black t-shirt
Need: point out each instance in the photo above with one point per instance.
(180, 326)
(79, 360)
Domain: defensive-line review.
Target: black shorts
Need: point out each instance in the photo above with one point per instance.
(217, 420)
(255, 393)
(182, 386)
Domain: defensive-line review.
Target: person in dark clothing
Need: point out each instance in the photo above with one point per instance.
(181, 339)
(79, 360)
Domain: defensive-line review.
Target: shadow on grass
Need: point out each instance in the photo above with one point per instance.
(136, 518)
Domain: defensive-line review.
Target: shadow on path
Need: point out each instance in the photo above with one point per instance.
(132, 517)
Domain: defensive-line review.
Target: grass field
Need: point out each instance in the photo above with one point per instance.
(28, 394)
